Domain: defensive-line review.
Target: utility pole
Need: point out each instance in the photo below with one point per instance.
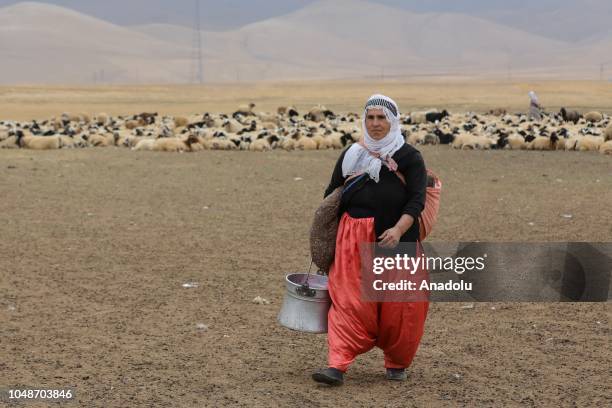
(198, 44)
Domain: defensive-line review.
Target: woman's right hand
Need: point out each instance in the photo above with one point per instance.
(390, 238)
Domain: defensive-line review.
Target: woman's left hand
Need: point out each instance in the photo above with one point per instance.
(390, 238)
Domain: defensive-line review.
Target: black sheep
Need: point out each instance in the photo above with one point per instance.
(273, 139)
(554, 139)
(502, 141)
(571, 116)
(445, 138)
(468, 126)
(147, 118)
(329, 114)
(201, 124)
(435, 116)
(251, 128)
(346, 139)
(529, 138)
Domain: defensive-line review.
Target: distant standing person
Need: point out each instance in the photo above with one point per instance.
(534, 107)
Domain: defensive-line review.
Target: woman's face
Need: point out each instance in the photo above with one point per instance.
(377, 124)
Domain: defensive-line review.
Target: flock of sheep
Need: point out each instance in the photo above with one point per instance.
(318, 129)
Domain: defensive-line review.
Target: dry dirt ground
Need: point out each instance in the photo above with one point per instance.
(39, 102)
(97, 243)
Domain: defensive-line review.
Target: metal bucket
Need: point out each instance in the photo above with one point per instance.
(306, 303)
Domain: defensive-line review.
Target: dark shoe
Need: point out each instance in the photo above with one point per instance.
(396, 374)
(330, 376)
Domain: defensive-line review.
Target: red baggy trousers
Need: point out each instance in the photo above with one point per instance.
(356, 326)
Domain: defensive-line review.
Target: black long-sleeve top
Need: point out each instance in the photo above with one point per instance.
(388, 199)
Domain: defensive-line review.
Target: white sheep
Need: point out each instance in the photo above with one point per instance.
(540, 143)
(131, 124)
(219, 144)
(39, 142)
(315, 114)
(571, 143)
(9, 143)
(462, 139)
(477, 142)
(101, 140)
(418, 117)
(181, 121)
(431, 139)
(77, 118)
(287, 110)
(335, 140)
(593, 117)
(67, 142)
(515, 142)
(606, 147)
(416, 138)
(166, 130)
(260, 145)
(608, 133)
(322, 142)
(246, 109)
(561, 144)
(267, 117)
(124, 137)
(306, 143)
(232, 126)
(589, 143)
(84, 118)
(101, 119)
(144, 144)
(270, 125)
(169, 145)
(287, 143)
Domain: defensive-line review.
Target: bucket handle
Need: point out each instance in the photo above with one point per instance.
(304, 289)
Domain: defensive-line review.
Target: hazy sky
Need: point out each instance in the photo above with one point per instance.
(228, 14)
(568, 20)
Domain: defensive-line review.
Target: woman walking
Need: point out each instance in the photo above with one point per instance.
(383, 204)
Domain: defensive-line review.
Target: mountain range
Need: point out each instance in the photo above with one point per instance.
(45, 43)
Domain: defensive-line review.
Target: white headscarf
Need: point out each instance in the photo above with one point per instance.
(358, 159)
(533, 97)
